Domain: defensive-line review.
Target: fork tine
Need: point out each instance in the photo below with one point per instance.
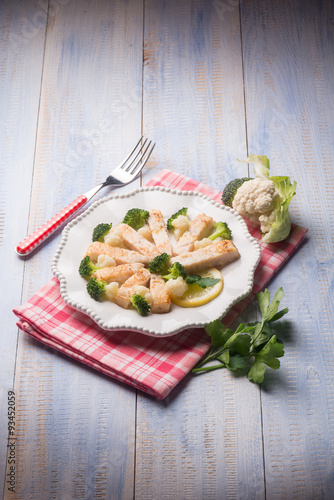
(141, 162)
(127, 166)
(130, 154)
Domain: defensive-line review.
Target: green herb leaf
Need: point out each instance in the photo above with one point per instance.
(239, 343)
(219, 333)
(262, 334)
(224, 357)
(202, 282)
(279, 315)
(267, 356)
(269, 310)
(238, 362)
(263, 299)
(251, 345)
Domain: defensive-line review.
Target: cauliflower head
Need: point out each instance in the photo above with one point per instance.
(146, 233)
(111, 290)
(204, 242)
(114, 238)
(177, 287)
(145, 293)
(180, 224)
(105, 261)
(257, 200)
(264, 200)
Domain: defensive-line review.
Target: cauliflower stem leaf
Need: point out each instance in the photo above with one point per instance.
(251, 347)
(267, 203)
(281, 226)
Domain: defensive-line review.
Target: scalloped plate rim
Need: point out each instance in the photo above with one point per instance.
(90, 312)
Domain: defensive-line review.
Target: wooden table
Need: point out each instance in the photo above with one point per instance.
(209, 82)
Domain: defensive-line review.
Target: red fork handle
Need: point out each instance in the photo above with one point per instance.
(37, 237)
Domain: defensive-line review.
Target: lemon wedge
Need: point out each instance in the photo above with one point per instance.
(196, 295)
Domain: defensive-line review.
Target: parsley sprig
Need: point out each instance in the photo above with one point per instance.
(251, 347)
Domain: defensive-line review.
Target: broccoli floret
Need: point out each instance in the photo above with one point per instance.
(86, 267)
(136, 218)
(96, 288)
(182, 211)
(221, 230)
(100, 231)
(160, 264)
(175, 271)
(141, 304)
(231, 189)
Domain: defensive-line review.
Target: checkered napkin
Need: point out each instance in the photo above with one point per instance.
(153, 365)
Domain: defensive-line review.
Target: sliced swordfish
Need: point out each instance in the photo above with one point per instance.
(216, 255)
(159, 232)
(129, 288)
(120, 255)
(161, 297)
(118, 273)
(137, 243)
(200, 227)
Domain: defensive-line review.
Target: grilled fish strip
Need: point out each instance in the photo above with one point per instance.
(120, 255)
(119, 273)
(216, 255)
(125, 292)
(161, 297)
(159, 232)
(137, 243)
(200, 227)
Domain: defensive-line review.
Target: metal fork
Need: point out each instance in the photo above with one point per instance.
(125, 173)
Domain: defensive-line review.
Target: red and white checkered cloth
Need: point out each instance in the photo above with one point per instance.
(153, 365)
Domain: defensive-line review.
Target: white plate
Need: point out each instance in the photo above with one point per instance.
(238, 276)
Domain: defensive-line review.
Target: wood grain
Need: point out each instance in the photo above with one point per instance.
(190, 446)
(193, 90)
(288, 88)
(210, 82)
(20, 76)
(86, 125)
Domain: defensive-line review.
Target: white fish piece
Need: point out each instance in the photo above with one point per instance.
(200, 227)
(120, 255)
(125, 292)
(216, 255)
(119, 273)
(137, 243)
(161, 298)
(159, 232)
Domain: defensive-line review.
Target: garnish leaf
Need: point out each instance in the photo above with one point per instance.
(239, 342)
(253, 345)
(224, 357)
(202, 282)
(268, 310)
(237, 362)
(267, 356)
(218, 332)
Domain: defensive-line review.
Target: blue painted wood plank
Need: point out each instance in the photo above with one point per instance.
(198, 443)
(288, 61)
(89, 119)
(193, 90)
(21, 55)
(215, 436)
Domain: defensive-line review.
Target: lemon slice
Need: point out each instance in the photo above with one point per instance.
(196, 295)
